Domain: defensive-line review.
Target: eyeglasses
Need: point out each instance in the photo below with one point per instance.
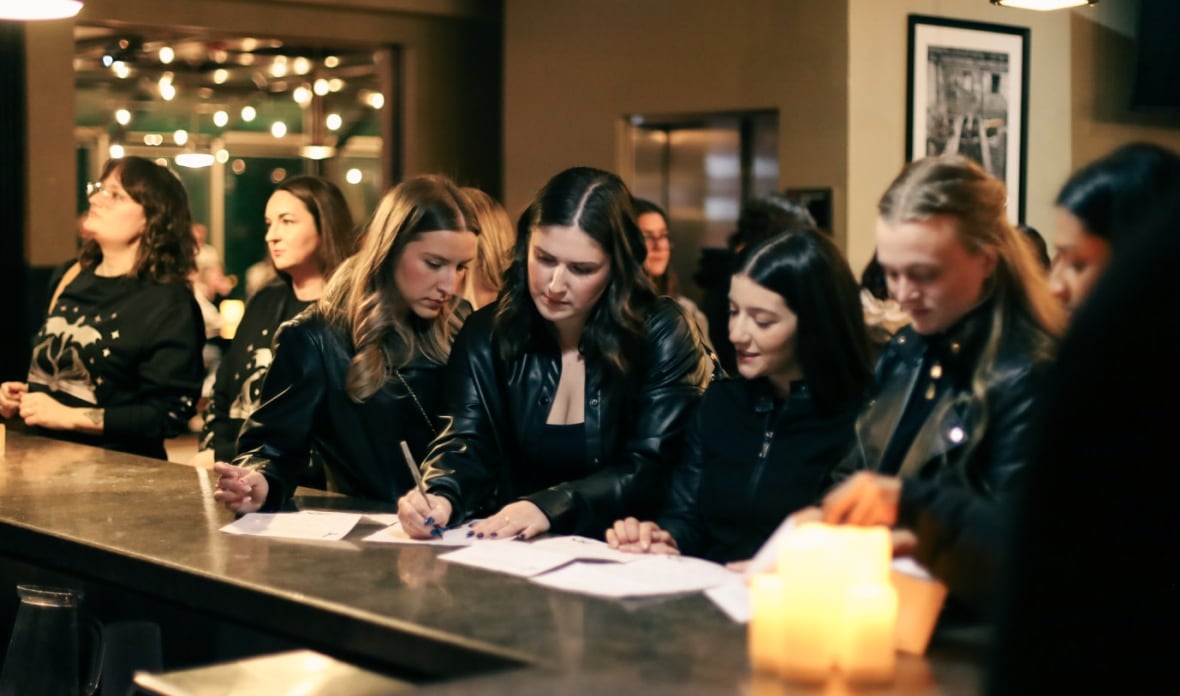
(95, 188)
(655, 239)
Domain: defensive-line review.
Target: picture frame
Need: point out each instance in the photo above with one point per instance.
(967, 92)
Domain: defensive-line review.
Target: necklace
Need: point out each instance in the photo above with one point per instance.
(429, 423)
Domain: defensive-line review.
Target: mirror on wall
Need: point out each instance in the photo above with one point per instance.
(233, 116)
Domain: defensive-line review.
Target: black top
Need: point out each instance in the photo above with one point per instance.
(305, 405)
(495, 411)
(238, 387)
(559, 454)
(750, 461)
(126, 345)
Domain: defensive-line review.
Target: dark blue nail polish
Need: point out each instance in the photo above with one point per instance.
(436, 532)
(493, 535)
(479, 536)
(470, 534)
(429, 521)
(519, 537)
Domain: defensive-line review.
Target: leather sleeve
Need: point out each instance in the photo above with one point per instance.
(1011, 425)
(276, 439)
(677, 372)
(681, 516)
(460, 464)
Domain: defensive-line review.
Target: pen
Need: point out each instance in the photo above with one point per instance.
(418, 482)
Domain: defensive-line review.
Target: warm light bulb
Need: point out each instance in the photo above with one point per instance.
(331, 61)
(220, 75)
(123, 117)
(220, 118)
(334, 121)
(248, 113)
(321, 87)
(42, 9)
(166, 55)
(302, 66)
(115, 151)
(301, 95)
(278, 129)
(353, 176)
(180, 137)
(121, 70)
(376, 100)
(335, 84)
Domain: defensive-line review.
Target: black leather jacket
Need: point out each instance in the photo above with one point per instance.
(492, 411)
(749, 462)
(980, 445)
(304, 405)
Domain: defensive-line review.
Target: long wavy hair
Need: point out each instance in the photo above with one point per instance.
(167, 248)
(329, 211)
(496, 237)
(597, 203)
(809, 272)
(954, 185)
(362, 298)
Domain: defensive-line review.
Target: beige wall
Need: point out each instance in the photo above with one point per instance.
(451, 84)
(1103, 68)
(573, 69)
(877, 108)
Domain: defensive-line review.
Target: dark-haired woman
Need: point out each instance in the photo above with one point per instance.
(653, 224)
(566, 400)
(360, 371)
(763, 445)
(117, 363)
(1102, 205)
(308, 234)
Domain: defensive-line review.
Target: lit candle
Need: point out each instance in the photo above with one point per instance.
(865, 651)
(231, 312)
(767, 623)
(813, 603)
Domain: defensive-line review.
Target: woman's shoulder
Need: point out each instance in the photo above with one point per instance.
(667, 317)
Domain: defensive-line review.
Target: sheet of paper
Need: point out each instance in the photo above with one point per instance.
(395, 534)
(307, 524)
(510, 557)
(382, 518)
(733, 598)
(650, 576)
(586, 549)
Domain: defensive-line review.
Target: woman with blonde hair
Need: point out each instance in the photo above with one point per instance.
(359, 373)
(308, 235)
(496, 238)
(950, 413)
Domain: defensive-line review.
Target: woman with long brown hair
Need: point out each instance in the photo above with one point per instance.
(359, 373)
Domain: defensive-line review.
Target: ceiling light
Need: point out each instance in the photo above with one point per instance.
(115, 151)
(335, 84)
(167, 92)
(121, 69)
(331, 61)
(195, 160)
(248, 113)
(1043, 5)
(278, 129)
(334, 121)
(220, 75)
(220, 118)
(166, 55)
(180, 137)
(302, 66)
(301, 95)
(123, 117)
(42, 9)
(321, 87)
(317, 152)
(353, 176)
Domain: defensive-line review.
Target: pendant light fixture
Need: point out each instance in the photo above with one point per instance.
(1044, 5)
(39, 9)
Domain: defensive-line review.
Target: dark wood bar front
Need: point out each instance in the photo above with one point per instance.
(148, 531)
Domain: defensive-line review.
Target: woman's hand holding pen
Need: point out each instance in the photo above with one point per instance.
(641, 537)
(240, 489)
(423, 515)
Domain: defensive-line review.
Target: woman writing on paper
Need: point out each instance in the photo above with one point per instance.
(565, 400)
(762, 445)
(360, 372)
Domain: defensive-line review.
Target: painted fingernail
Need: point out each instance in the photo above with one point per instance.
(479, 536)
(436, 532)
(519, 536)
(493, 534)
(470, 534)
(429, 521)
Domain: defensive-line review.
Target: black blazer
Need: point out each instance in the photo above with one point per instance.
(494, 410)
(749, 462)
(304, 406)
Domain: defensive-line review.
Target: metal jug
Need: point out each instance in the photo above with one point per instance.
(43, 654)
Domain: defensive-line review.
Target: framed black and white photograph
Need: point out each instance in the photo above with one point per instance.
(967, 93)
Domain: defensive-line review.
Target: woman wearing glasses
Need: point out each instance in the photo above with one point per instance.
(117, 363)
(653, 223)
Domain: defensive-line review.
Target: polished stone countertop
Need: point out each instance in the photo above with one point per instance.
(152, 527)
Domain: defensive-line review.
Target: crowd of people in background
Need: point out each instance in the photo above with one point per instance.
(553, 376)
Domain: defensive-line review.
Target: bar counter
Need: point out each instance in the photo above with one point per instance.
(150, 528)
